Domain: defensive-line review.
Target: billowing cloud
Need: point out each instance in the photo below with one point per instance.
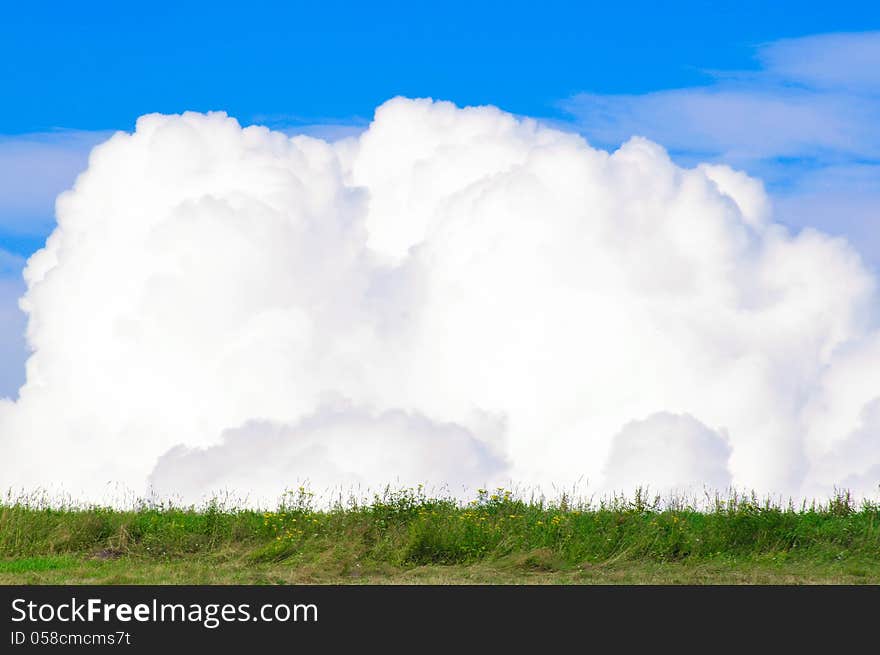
(497, 297)
(339, 448)
(853, 463)
(673, 451)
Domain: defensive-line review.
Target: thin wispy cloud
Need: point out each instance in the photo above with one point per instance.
(34, 169)
(814, 99)
(848, 62)
(807, 123)
(326, 128)
(12, 324)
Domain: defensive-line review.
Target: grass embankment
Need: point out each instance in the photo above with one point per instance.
(406, 537)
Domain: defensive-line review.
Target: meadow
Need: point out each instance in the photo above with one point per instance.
(409, 537)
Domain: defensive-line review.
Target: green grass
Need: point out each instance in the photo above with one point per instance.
(408, 537)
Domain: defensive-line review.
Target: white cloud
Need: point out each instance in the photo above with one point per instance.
(337, 447)
(458, 269)
(854, 461)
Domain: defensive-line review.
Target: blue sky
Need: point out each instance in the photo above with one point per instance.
(789, 91)
(98, 65)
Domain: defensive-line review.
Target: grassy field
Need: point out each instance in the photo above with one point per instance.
(406, 537)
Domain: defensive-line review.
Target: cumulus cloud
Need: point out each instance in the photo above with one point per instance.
(672, 451)
(853, 462)
(483, 295)
(335, 448)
